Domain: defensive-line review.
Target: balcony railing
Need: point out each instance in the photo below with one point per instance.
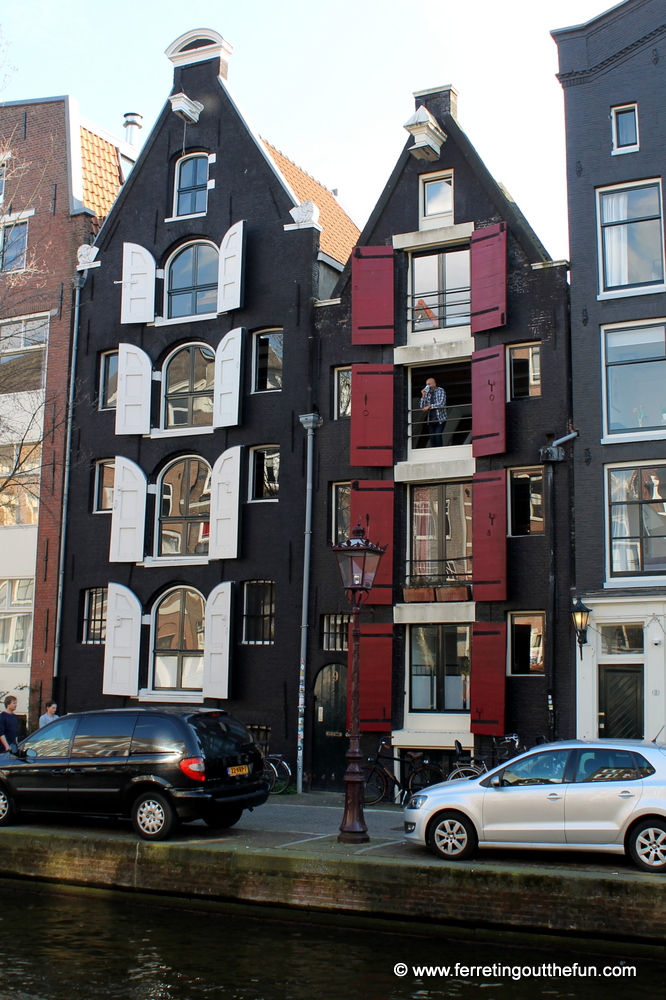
(433, 310)
(438, 572)
(457, 428)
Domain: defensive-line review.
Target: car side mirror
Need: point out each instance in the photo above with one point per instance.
(496, 781)
(29, 753)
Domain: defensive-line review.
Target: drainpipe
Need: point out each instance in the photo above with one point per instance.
(78, 281)
(310, 421)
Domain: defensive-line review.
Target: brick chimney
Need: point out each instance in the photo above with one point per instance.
(439, 101)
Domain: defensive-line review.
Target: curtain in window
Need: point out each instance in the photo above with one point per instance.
(615, 239)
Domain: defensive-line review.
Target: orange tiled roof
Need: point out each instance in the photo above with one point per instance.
(100, 172)
(339, 234)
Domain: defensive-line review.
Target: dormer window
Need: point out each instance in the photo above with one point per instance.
(191, 185)
(192, 281)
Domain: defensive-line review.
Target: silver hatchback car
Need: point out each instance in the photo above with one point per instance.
(608, 795)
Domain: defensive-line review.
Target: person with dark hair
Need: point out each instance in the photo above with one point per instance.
(49, 714)
(9, 722)
(433, 401)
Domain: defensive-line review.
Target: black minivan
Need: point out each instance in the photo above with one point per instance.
(158, 766)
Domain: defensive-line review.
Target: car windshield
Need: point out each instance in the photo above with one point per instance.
(220, 734)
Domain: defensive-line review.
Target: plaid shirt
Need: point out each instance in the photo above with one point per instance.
(436, 400)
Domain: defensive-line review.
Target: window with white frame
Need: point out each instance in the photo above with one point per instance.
(526, 632)
(191, 185)
(342, 389)
(524, 371)
(436, 200)
(105, 471)
(22, 351)
(14, 245)
(4, 172)
(635, 359)
(16, 598)
(624, 122)
(192, 281)
(179, 641)
(441, 289)
(259, 613)
(621, 639)
(268, 354)
(341, 512)
(631, 253)
(439, 668)
(20, 469)
(526, 501)
(108, 381)
(265, 473)
(184, 508)
(441, 542)
(188, 384)
(637, 520)
(93, 630)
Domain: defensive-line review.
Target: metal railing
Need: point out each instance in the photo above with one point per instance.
(457, 428)
(438, 572)
(433, 310)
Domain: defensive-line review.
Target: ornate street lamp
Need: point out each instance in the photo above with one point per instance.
(581, 616)
(358, 560)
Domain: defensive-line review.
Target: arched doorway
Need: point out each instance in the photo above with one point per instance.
(329, 743)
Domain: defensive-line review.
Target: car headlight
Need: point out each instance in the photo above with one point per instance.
(417, 801)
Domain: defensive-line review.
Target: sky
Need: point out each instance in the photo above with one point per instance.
(330, 84)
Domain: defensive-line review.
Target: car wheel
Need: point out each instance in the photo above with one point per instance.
(153, 816)
(7, 809)
(222, 817)
(452, 836)
(647, 845)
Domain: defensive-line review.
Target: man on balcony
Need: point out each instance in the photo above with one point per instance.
(433, 402)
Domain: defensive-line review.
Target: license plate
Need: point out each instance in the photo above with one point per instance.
(238, 769)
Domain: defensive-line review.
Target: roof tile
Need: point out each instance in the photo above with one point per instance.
(100, 172)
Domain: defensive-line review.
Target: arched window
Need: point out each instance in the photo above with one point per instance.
(184, 508)
(179, 641)
(192, 281)
(188, 387)
(191, 185)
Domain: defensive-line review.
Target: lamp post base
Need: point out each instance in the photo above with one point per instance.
(353, 829)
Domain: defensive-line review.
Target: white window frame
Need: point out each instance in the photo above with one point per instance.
(99, 465)
(611, 582)
(255, 340)
(176, 560)
(12, 610)
(181, 430)
(509, 645)
(27, 348)
(636, 435)
(250, 492)
(165, 319)
(170, 694)
(5, 157)
(9, 222)
(619, 150)
(442, 219)
(103, 363)
(623, 293)
(175, 217)
(513, 347)
(336, 391)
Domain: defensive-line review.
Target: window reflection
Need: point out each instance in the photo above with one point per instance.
(179, 643)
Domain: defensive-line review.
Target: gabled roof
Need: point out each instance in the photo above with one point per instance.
(101, 179)
(339, 234)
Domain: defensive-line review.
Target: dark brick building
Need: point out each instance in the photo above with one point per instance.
(613, 72)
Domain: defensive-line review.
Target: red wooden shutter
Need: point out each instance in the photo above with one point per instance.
(489, 534)
(372, 295)
(371, 424)
(488, 262)
(376, 672)
(489, 401)
(488, 694)
(373, 498)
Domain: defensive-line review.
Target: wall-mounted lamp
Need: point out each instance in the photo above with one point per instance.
(581, 616)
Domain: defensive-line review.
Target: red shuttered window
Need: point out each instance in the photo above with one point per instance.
(372, 295)
(372, 415)
(373, 499)
(488, 402)
(488, 679)
(376, 672)
(488, 260)
(489, 530)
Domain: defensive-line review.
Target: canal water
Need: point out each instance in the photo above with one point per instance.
(58, 946)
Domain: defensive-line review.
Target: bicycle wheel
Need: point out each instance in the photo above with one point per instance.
(423, 777)
(283, 775)
(464, 771)
(375, 785)
(269, 774)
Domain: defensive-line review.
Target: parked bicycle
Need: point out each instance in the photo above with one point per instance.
(420, 772)
(277, 773)
(471, 766)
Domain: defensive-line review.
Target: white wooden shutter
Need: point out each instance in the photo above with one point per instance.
(128, 516)
(123, 642)
(228, 359)
(230, 269)
(217, 642)
(135, 371)
(137, 298)
(224, 505)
